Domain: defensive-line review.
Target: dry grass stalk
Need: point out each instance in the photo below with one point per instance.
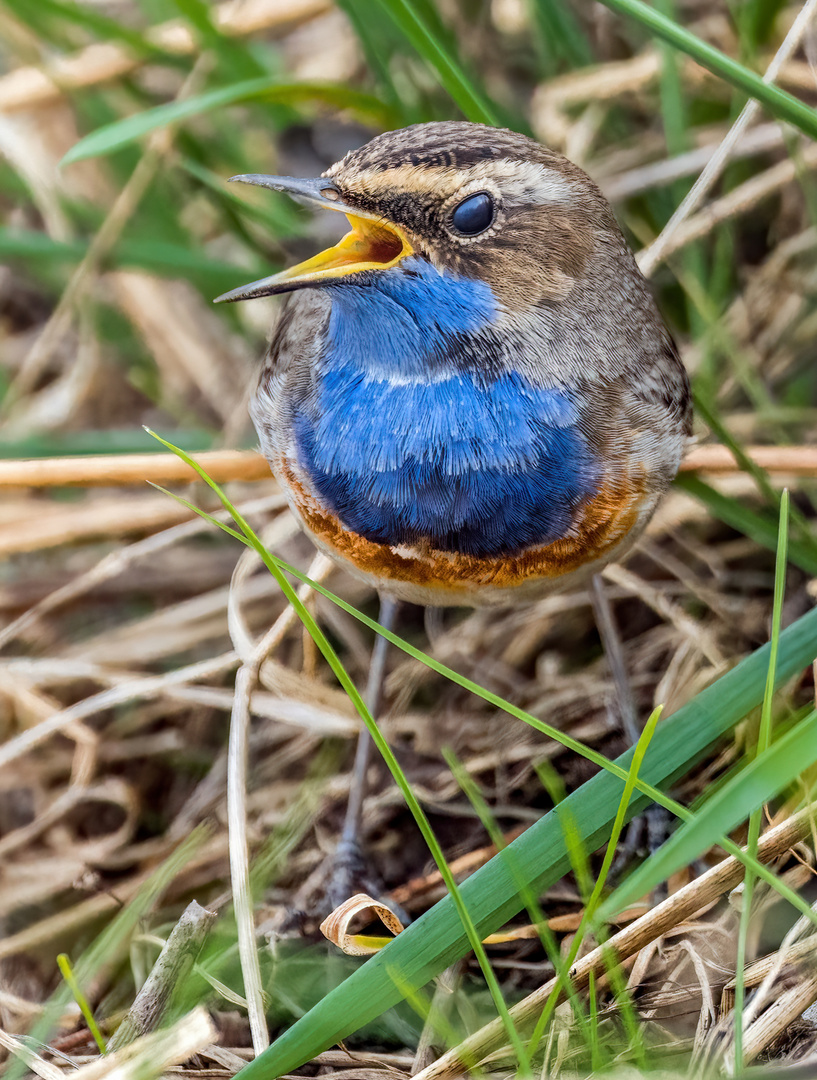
(626, 943)
(36, 1064)
(619, 185)
(738, 201)
(150, 1055)
(311, 717)
(171, 968)
(245, 683)
(28, 87)
(789, 460)
(122, 470)
(90, 520)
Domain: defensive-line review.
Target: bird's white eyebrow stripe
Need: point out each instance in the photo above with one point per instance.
(524, 180)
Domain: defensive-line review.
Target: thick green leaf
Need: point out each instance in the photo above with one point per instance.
(271, 90)
(437, 938)
(780, 104)
(754, 785)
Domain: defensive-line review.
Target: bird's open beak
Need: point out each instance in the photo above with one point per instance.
(372, 244)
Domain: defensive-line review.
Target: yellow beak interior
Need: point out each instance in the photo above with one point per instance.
(370, 245)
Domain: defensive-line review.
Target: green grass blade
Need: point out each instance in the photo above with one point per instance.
(67, 972)
(761, 529)
(780, 104)
(431, 46)
(770, 773)
(763, 743)
(111, 137)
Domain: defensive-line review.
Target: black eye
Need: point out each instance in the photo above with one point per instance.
(474, 214)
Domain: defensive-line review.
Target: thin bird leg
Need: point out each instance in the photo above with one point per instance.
(614, 653)
(648, 831)
(351, 867)
(632, 843)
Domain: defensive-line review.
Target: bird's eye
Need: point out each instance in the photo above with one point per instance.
(474, 214)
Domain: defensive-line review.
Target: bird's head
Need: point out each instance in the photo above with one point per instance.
(472, 201)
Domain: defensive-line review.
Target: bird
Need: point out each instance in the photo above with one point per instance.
(471, 399)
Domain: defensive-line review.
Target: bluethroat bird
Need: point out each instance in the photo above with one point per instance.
(471, 398)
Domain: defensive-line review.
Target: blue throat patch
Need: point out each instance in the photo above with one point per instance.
(411, 433)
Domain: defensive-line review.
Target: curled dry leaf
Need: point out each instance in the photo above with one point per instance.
(335, 927)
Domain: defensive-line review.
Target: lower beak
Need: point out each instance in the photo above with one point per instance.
(372, 244)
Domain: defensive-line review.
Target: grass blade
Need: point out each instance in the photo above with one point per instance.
(67, 972)
(765, 777)
(111, 137)
(473, 103)
(782, 105)
(763, 742)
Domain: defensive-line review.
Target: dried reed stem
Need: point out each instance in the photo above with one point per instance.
(245, 683)
(123, 470)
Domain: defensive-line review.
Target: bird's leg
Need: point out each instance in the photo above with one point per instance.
(614, 653)
(351, 872)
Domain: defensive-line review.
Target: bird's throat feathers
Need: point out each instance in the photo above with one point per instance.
(406, 323)
(413, 431)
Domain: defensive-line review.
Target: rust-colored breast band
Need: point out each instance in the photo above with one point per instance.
(603, 523)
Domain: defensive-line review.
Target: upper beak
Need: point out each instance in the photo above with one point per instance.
(372, 244)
